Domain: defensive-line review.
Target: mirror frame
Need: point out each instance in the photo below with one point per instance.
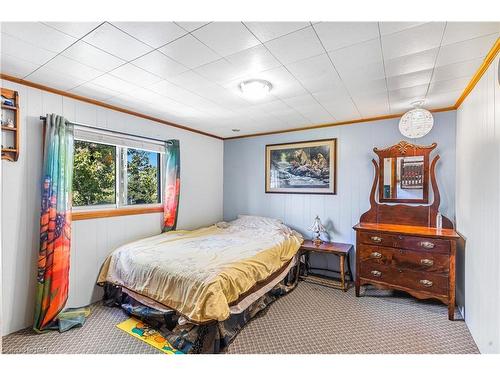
(404, 149)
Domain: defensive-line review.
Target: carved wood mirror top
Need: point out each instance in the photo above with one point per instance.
(404, 173)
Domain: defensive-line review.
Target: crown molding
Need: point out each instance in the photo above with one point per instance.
(479, 73)
(102, 104)
(350, 122)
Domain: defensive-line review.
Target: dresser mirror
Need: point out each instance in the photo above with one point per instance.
(404, 173)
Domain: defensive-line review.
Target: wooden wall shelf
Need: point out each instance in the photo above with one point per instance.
(10, 149)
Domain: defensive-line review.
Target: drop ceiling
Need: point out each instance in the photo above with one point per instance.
(188, 72)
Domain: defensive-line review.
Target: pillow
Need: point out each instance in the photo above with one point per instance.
(256, 222)
(253, 218)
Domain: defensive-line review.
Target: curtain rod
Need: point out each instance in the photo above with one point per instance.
(44, 118)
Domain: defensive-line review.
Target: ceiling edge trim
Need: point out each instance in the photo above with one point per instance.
(479, 73)
(349, 122)
(102, 104)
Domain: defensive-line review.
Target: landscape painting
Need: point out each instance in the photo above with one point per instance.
(304, 167)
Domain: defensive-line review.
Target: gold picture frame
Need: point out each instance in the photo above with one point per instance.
(308, 167)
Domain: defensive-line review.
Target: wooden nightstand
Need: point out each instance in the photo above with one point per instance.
(342, 250)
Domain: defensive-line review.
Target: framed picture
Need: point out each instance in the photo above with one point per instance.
(302, 167)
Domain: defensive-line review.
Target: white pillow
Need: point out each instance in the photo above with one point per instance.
(254, 218)
(256, 222)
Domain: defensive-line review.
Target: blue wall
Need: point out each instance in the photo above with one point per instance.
(244, 176)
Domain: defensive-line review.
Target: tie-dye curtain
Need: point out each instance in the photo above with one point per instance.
(55, 230)
(172, 185)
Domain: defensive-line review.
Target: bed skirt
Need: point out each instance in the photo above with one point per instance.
(191, 338)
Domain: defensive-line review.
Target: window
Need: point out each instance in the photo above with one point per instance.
(113, 172)
(94, 174)
(143, 177)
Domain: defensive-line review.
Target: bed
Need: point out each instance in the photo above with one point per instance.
(200, 287)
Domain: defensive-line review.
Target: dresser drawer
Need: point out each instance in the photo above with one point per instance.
(434, 245)
(401, 258)
(406, 242)
(382, 239)
(422, 281)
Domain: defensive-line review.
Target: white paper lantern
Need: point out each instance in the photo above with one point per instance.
(416, 123)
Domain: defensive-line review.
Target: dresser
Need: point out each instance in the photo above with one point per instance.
(400, 246)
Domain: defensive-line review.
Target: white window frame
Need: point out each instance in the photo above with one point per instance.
(121, 177)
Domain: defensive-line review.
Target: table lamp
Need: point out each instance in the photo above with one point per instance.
(317, 228)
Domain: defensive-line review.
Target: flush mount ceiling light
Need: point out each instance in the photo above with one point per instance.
(255, 88)
(417, 122)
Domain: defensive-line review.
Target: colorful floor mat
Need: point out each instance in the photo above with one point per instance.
(150, 336)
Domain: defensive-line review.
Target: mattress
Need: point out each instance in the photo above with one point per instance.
(201, 273)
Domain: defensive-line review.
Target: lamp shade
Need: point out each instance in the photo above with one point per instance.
(317, 227)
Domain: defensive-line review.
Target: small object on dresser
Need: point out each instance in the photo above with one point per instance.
(10, 123)
(439, 221)
(317, 228)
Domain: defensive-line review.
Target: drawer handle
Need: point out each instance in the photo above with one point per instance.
(376, 273)
(376, 255)
(427, 245)
(376, 239)
(427, 262)
(426, 283)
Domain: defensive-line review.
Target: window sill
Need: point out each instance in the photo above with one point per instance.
(99, 214)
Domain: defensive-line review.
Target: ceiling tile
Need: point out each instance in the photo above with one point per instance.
(455, 84)
(54, 79)
(255, 59)
(38, 34)
(66, 66)
(335, 35)
(226, 38)
(93, 91)
(410, 94)
(373, 105)
(159, 64)
(387, 28)
(316, 73)
(16, 67)
(116, 42)
(457, 70)
(366, 86)
(25, 51)
(189, 51)
(460, 31)
(421, 77)
(266, 31)
(114, 83)
(135, 75)
(92, 56)
(74, 29)
(191, 26)
(192, 81)
(442, 99)
(467, 50)
(411, 63)
(414, 40)
(339, 104)
(296, 46)
(361, 61)
(221, 71)
(155, 34)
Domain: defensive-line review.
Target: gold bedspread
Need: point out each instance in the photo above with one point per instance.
(200, 273)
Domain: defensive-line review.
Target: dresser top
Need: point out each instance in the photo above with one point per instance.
(408, 229)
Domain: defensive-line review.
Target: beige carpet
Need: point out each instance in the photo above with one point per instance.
(311, 319)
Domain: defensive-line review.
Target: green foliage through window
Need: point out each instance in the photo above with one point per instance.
(143, 177)
(94, 181)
